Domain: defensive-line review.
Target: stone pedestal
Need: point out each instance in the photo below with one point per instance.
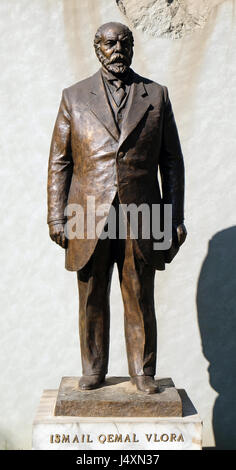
(116, 417)
(118, 397)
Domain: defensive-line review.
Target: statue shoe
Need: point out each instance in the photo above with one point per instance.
(145, 383)
(89, 382)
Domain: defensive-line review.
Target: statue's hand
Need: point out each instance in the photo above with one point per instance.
(181, 234)
(57, 234)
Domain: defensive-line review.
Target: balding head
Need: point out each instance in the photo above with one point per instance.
(113, 44)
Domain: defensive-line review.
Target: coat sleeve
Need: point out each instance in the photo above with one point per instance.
(60, 165)
(171, 164)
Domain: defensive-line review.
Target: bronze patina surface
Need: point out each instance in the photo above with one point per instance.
(114, 130)
(117, 397)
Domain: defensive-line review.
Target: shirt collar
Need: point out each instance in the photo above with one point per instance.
(110, 77)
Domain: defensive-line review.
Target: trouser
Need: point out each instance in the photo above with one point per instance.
(137, 288)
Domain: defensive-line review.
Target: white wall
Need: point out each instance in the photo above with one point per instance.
(46, 46)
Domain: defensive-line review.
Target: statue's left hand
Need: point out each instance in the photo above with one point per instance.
(181, 233)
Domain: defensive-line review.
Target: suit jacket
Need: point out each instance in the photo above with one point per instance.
(88, 157)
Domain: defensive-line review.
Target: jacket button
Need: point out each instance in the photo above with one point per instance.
(121, 154)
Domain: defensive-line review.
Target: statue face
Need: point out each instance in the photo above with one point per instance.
(115, 50)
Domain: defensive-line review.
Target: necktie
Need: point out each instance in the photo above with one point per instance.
(120, 93)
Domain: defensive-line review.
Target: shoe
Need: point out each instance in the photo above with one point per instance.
(145, 384)
(89, 382)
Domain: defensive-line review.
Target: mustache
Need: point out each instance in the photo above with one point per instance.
(119, 58)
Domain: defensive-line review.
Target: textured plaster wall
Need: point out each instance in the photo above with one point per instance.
(168, 18)
(46, 45)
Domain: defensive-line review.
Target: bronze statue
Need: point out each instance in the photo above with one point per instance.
(113, 131)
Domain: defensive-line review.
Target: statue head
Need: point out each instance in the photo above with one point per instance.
(113, 44)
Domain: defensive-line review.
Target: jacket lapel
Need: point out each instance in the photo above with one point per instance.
(137, 105)
(99, 105)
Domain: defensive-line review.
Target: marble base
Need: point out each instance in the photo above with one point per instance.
(52, 432)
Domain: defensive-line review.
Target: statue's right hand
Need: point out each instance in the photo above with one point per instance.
(57, 234)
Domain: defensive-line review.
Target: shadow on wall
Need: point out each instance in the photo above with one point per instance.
(216, 304)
